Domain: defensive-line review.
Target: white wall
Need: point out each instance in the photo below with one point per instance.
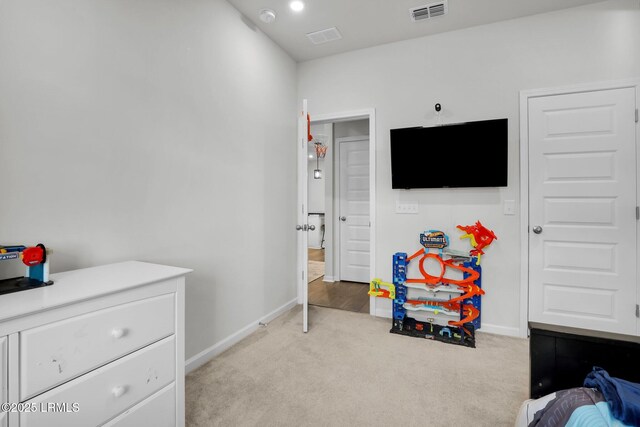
(157, 130)
(475, 74)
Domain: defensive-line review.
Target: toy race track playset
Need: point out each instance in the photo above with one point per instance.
(442, 307)
(35, 258)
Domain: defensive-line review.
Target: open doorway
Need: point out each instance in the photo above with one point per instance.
(339, 196)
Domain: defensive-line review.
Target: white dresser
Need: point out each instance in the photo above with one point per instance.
(102, 346)
(3, 379)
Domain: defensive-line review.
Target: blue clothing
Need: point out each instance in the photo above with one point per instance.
(597, 415)
(623, 396)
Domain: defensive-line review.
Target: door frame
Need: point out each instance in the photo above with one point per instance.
(525, 95)
(337, 251)
(345, 116)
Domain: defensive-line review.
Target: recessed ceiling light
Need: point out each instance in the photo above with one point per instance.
(267, 16)
(296, 5)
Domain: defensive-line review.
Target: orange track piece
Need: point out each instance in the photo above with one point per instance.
(470, 311)
(472, 291)
(420, 251)
(434, 280)
(383, 293)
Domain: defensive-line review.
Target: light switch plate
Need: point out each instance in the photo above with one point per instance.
(407, 207)
(509, 207)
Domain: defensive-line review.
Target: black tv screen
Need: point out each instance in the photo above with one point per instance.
(472, 154)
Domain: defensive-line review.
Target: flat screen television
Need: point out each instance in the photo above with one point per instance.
(471, 154)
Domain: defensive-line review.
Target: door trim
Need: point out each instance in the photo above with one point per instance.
(337, 252)
(370, 114)
(525, 95)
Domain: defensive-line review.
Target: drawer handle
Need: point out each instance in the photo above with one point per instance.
(118, 333)
(119, 391)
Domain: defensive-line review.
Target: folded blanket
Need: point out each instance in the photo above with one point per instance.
(623, 396)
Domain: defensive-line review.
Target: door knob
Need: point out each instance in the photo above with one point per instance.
(537, 229)
(312, 227)
(298, 227)
(343, 218)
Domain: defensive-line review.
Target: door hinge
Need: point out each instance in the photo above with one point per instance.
(303, 275)
(636, 115)
(637, 213)
(638, 310)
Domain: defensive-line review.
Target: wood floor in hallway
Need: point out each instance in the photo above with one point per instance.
(350, 296)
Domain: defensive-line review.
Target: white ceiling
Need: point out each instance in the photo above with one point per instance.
(365, 23)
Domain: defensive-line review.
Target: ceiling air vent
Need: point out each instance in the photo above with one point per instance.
(324, 36)
(427, 11)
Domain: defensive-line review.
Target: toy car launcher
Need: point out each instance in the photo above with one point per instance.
(444, 304)
(35, 258)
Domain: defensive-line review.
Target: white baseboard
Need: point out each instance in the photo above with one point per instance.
(500, 330)
(328, 279)
(204, 356)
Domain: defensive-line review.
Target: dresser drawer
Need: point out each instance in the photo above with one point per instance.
(108, 391)
(60, 351)
(3, 370)
(158, 410)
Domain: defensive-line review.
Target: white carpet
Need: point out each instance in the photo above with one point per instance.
(350, 371)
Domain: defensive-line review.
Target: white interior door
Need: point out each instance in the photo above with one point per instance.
(303, 211)
(354, 209)
(582, 218)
